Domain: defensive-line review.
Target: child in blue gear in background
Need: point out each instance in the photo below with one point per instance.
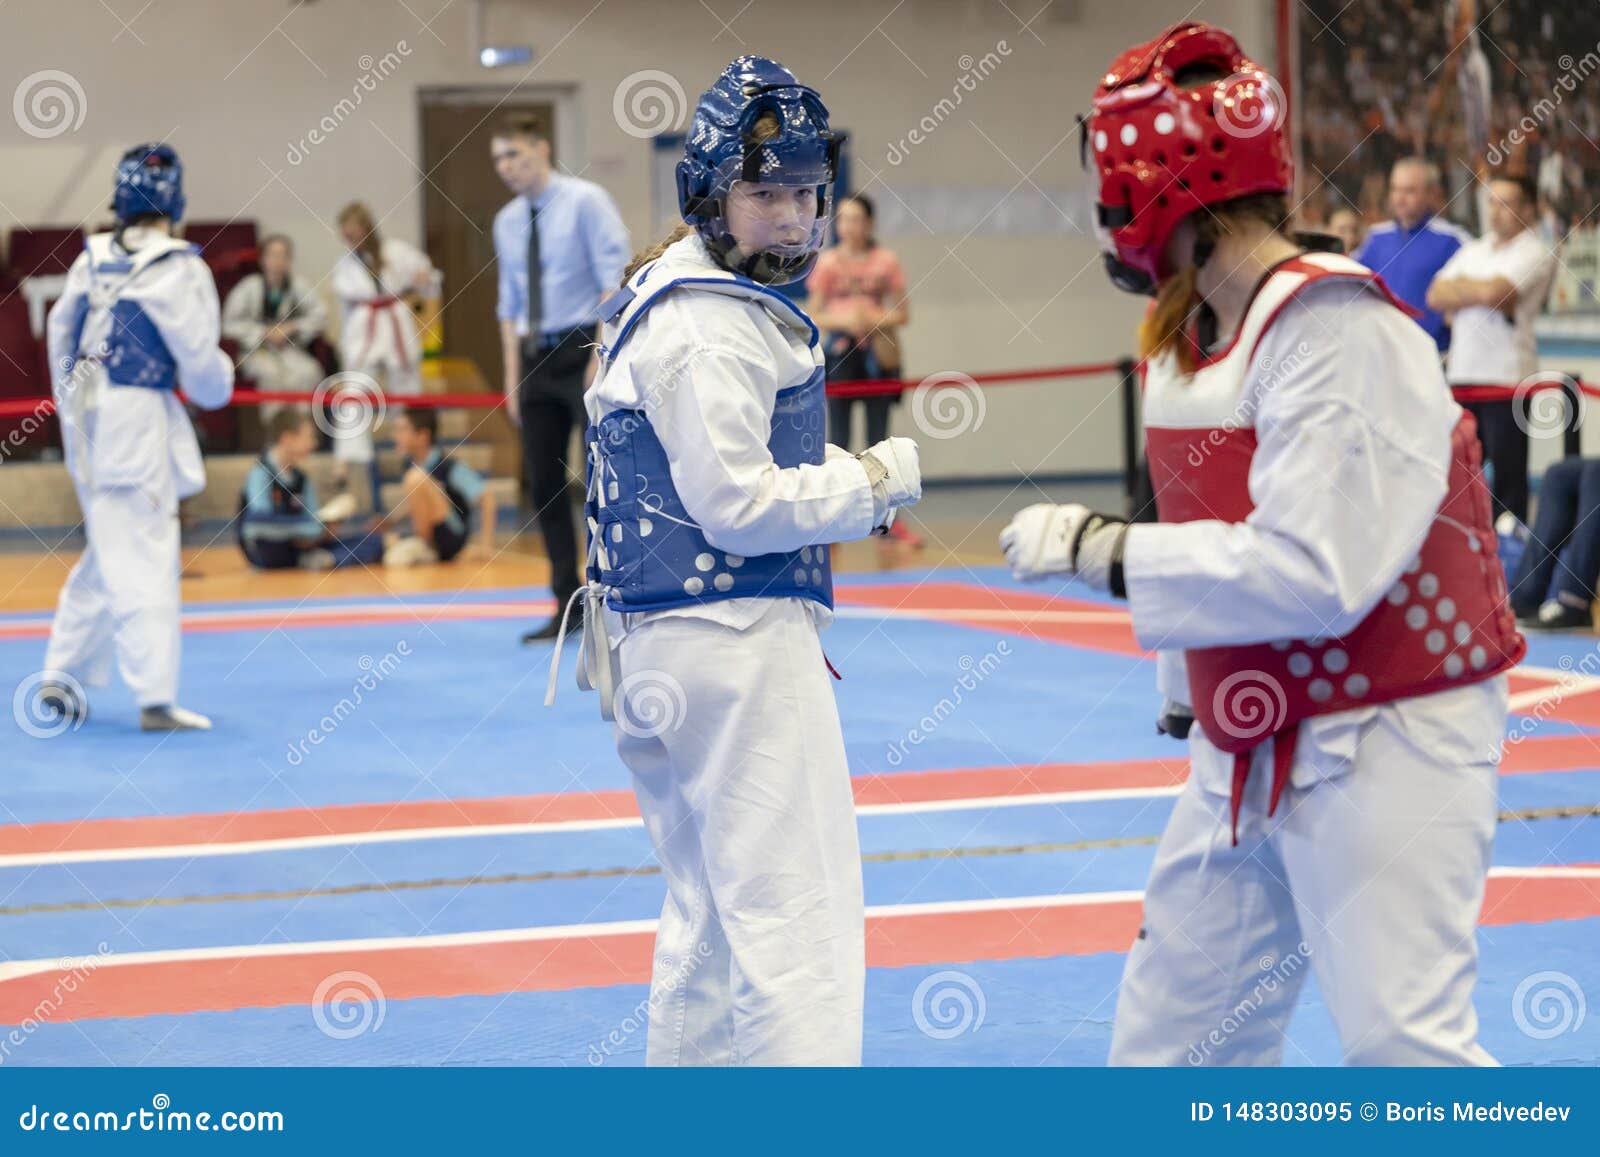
(137, 319)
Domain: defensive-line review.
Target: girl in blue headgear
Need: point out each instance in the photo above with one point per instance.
(137, 319)
(713, 500)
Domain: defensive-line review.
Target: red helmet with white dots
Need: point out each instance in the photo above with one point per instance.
(1184, 121)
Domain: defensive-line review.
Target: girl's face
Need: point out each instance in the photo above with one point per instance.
(766, 217)
(855, 228)
(353, 230)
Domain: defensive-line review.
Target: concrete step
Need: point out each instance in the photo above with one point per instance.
(40, 494)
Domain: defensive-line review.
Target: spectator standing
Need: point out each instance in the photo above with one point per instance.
(1490, 292)
(857, 296)
(561, 247)
(376, 282)
(1409, 251)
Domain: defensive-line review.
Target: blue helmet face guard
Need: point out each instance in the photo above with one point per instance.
(732, 141)
(149, 182)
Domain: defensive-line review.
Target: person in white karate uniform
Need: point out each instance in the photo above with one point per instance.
(713, 499)
(374, 283)
(1323, 588)
(137, 320)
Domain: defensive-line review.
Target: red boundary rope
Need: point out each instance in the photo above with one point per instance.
(40, 407)
(876, 387)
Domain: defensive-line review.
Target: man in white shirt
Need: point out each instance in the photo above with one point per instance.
(1491, 291)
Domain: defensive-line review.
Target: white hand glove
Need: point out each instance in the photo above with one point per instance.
(832, 453)
(1045, 539)
(895, 472)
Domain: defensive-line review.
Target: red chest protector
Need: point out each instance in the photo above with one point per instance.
(1445, 623)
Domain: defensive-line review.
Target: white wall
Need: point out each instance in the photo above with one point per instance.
(237, 85)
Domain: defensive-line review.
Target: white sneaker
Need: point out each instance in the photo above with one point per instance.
(317, 559)
(172, 719)
(1507, 526)
(409, 551)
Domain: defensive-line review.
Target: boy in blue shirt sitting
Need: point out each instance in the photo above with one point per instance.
(281, 524)
(440, 493)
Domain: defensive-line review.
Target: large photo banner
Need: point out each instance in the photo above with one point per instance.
(1474, 86)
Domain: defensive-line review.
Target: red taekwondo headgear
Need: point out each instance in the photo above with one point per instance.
(1183, 121)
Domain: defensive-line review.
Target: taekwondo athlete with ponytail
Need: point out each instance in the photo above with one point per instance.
(138, 319)
(713, 499)
(1323, 588)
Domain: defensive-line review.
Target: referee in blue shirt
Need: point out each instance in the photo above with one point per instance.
(1408, 251)
(568, 234)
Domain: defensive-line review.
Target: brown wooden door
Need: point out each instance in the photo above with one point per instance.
(460, 198)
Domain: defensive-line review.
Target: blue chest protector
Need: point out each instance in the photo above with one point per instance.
(134, 352)
(644, 548)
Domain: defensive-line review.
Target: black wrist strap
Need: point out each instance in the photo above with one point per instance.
(1119, 585)
(1096, 522)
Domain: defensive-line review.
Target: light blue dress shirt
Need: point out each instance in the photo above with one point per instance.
(583, 247)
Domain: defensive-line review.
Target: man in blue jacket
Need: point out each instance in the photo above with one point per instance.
(1409, 250)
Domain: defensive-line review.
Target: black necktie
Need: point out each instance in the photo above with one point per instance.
(535, 281)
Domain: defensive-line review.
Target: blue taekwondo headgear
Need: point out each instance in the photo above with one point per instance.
(149, 180)
(722, 149)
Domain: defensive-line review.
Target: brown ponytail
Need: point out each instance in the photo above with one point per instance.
(1169, 324)
(370, 247)
(646, 256)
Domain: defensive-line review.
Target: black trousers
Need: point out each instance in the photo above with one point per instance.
(551, 402)
(1505, 447)
(856, 365)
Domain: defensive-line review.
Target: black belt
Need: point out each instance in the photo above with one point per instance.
(549, 341)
